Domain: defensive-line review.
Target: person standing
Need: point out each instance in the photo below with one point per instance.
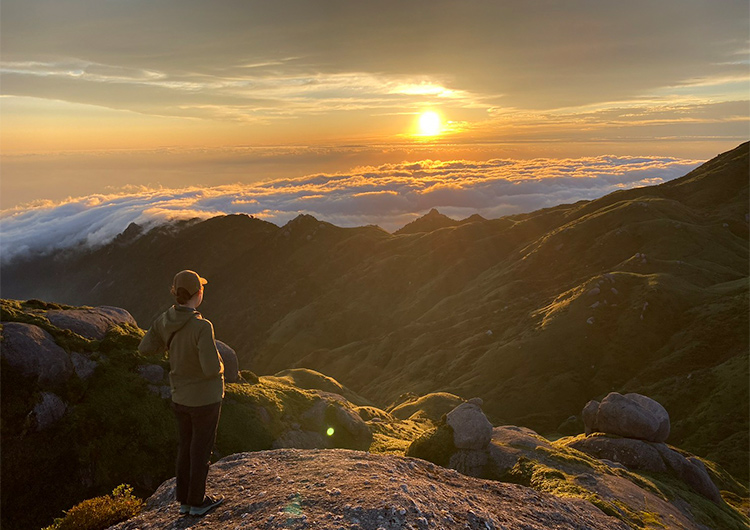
(196, 378)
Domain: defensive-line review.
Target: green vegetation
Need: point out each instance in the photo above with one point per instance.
(16, 311)
(435, 445)
(432, 405)
(395, 436)
(705, 511)
(100, 512)
(561, 482)
(117, 430)
(519, 311)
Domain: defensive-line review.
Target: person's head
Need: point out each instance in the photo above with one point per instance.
(187, 288)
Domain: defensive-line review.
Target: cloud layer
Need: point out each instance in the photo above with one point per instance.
(389, 195)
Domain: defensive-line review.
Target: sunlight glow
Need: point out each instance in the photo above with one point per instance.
(430, 123)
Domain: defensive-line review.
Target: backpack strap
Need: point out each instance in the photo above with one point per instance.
(169, 341)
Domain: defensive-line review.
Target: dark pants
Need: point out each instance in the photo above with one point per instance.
(197, 432)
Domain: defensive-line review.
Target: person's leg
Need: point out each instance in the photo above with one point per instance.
(205, 422)
(185, 435)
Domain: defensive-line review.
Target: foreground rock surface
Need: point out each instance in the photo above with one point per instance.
(333, 489)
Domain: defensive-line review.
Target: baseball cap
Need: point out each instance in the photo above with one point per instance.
(188, 280)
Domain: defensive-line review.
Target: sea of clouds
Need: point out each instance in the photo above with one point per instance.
(390, 196)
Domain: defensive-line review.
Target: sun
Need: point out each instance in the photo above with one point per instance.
(429, 123)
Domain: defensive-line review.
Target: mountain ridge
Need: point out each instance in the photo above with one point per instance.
(536, 313)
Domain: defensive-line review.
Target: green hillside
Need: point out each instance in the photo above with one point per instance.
(641, 290)
(117, 427)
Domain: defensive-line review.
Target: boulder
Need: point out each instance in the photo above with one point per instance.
(691, 471)
(501, 459)
(631, 416)
(33, 353)
(471, 428)
(229, 358)
(300, 439)
(635, 454)
(470, 462)
(650, 456)
(153, 373)
(83, 366)
(588, 415)
(163, 391)
(92, 323)
(522, 437)
(349, 430)
(657, 411)
(356, 433)
(48, 411)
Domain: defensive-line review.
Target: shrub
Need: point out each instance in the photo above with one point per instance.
(101, 512)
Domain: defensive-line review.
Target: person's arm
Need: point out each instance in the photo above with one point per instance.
(207, 353)
(152, 343)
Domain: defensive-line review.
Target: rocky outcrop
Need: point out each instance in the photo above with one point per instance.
(347, 489)
(229, 358)
(431, 406)
(471, 428)
(300, 439)
(92, 323)
(48, 411)
(153, 373)
(328, 423)
(83, 366)
(461, 442)
(650, 456)
(33, 353)
(644, 425)
(631, 415)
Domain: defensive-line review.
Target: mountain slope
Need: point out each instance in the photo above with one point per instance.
(83, 412)
(641, 290)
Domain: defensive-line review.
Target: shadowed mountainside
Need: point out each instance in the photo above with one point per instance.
(83, 412)
(643, 290)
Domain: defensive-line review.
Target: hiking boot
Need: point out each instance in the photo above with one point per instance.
(184, 509)
(208, 504)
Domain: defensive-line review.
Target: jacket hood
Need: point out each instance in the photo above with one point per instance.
(176, 317)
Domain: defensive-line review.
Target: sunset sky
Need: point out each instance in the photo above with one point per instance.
(125, 96)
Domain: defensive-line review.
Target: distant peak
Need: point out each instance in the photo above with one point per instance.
(303, 218)
(132, 232)
(432, 220)
(475, 218)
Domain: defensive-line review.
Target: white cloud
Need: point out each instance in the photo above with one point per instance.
(389, 195)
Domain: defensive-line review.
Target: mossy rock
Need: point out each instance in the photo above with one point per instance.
(432, 406)
(249, 377)
(436, 445)
(374, 413)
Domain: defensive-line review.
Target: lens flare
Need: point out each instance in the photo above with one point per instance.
(330, 431)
